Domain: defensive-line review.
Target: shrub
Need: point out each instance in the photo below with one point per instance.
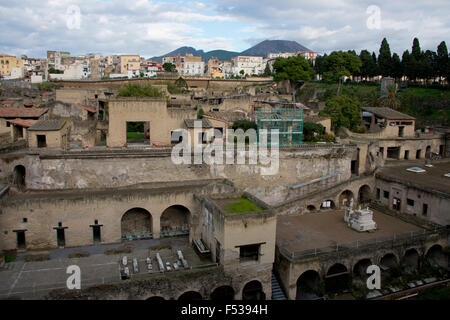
(244, 125)
(136, 90)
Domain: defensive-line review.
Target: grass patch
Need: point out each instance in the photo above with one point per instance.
(244, 205)
(438, 293)
(135, 135)
(10, 258)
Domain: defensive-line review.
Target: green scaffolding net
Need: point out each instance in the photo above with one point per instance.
(288, 121)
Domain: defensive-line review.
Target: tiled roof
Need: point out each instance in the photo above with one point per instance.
(23, 123)
(48, 125)
(22, 112)
(85, 108)
(388, 113)
(190, 123)
(230, 116)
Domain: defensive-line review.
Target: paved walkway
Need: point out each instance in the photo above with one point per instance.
(34, 280)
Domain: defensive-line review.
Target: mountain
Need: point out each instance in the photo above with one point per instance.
(262, 49)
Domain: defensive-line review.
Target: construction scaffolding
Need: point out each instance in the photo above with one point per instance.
(288, 121)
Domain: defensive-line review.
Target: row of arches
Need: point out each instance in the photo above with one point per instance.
(253, 290)
(344, 199)
(137, 223)
(338, 277)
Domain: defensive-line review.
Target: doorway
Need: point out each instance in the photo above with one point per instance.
(138, 132)
(21, 243)
(60, 237)
(96, 234)
(396, 204)
(41, 141)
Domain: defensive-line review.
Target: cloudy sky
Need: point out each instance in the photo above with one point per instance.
(151, 28)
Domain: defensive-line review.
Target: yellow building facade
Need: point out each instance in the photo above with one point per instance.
(7, 63)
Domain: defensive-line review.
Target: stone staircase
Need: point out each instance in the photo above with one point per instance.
(277, 292)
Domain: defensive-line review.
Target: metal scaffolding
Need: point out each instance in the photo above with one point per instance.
(288, 121)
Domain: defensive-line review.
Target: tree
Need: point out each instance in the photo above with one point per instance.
(319, 66)
(369, 66)
(169, 67)
(267, 71)
(341, 64)
(397, 69)
(294, 69)
(442, 60)
(390, 100)
(344, 111)
(385, 59)
(311, 129)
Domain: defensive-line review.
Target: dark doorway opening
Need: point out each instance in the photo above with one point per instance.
(19, 177)
(41, 141)
(337, 279)
(406, 154)
(223, 293)
(96, 233)
(190, 296)
(60, 237)
(393, 153)
(253, 291)
(21, 243)
(418, 152)
(308, 286)
(401, 131)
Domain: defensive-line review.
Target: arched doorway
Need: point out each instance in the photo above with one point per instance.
(311, 208)
(345, 198)
(308, 286)
(327, 204)
(156, 299)
(411, 260)
(136, 224)
(389, 266)
(337, 279)
(19, 177)
(190, 296)
(223, 293)
(175, 221)
(364, 194)
(360, 269)
(436, 257)
(253, 291)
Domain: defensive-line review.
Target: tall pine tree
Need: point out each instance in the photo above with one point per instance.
(385, 59)
(442, 58)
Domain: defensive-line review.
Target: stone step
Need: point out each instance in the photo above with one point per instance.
(277, 292)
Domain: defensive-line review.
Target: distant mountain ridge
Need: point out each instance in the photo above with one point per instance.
(262, 49)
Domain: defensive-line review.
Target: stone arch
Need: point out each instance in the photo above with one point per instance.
(136, 224)
(19, 177)
(345, 198)
(308, 285)
(389, 260)
(389, 265)
(411, 260)
(337, 278)
(175, 221)
(253, 290)
(360, 268)
(311, 208)
(327, 204)
(364, 194)
(435, 256)
(190, 296)
(223, 293)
